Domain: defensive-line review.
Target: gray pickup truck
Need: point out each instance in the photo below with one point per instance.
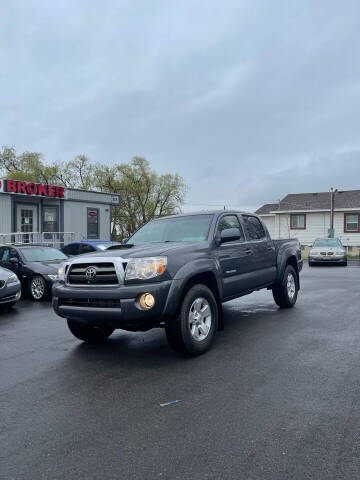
(175, 272)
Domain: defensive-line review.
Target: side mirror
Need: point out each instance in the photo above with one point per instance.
(14, 260)
(230, 235)
(124, 241)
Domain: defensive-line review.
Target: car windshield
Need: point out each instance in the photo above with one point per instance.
(327, 242)
(192, 228)
(42, 254)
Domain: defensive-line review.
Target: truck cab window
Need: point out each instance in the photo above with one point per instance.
(230, 221)
(254, 228)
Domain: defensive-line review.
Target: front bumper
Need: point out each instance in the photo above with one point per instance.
(114, 307)
(327, 259)
(10, 293)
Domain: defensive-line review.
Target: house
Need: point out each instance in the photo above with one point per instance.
(306, 216)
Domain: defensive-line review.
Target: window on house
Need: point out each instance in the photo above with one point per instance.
(298, 222)
(351, 222)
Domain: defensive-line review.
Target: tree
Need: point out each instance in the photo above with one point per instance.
(144, 193)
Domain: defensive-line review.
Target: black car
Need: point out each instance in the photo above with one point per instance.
(36, 267)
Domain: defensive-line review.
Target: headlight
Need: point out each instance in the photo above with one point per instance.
(12, 279)
(53, 277)
(145, 268)
(61, 272)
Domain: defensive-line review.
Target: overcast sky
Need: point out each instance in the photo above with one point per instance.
(248, 100)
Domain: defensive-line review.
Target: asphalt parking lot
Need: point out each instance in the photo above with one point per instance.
(276, 398)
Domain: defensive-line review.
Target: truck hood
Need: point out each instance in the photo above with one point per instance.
(143, 250)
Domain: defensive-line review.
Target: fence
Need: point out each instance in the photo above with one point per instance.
(51, 239)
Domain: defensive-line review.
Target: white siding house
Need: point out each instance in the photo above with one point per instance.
(306, 216)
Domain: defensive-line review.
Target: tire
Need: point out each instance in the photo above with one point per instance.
(344, 264)
(38, 288)
(311, 264)
(194, 329)
(88, 333)
(285, 293)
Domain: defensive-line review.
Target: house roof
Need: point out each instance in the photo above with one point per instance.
(313, 201)
(267, 208)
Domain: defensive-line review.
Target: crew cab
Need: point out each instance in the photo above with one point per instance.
(175, 272)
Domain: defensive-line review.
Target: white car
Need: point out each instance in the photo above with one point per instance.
(327, 250)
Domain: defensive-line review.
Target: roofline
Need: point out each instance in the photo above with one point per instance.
(344, 209)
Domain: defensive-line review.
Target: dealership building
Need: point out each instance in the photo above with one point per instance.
(35, 211)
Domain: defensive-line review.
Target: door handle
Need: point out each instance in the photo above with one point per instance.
(248, 251)
(269, 248)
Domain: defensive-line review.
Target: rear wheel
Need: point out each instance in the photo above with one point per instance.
(89, 333)
(285, 293)
(193, 331)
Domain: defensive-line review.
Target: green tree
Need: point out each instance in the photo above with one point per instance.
(144, 193)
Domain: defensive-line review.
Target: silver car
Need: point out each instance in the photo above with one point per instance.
(10, 288)
(327, 250)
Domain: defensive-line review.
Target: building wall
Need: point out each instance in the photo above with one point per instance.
(270, 224)
(5, 214)
(75, 218)
(87, 196)
(317, 225)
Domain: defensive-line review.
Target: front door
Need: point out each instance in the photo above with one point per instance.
(264, 258)
(234, 257)
(26, 221)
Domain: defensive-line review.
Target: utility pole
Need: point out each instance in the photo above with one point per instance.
(332, 208)
(279, 216)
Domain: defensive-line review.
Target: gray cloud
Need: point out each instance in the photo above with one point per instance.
(247, 100)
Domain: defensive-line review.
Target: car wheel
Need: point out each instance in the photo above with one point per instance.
(285, 293)
(311, 264)
(194, 329)
(89, 333)
(38, 288)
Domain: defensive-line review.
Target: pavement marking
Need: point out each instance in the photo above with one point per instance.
(169, 403)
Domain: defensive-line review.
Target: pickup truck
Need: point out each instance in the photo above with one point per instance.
(175, 272)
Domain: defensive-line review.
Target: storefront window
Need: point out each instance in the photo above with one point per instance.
(50, 220)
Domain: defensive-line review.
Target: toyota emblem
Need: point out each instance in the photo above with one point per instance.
(90, 274)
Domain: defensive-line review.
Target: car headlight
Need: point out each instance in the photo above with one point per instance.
(12, 279)
(53, 277)
(61, 272)
(145, 268)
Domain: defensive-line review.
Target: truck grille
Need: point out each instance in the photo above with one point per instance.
(92, 274)
(90, 302)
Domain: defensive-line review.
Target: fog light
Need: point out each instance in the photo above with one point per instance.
(146, 301)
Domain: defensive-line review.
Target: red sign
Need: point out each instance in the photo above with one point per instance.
(30, 188)
(92, 214)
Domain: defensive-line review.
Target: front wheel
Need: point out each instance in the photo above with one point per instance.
(89, 333)
(194, 329)
(38, 288)
(285, 293)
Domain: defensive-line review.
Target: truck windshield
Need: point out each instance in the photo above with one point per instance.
(194, 228)
(327, 242)
(42, 254)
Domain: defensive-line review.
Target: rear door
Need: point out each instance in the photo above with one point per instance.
(263, 258)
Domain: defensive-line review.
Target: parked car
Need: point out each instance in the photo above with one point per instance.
(87, 246)
(175, 272)
(10, 288)
(36, 266)
(327, 250)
